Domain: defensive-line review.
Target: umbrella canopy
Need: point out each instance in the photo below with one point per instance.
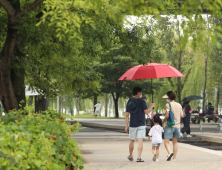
(193, 97)
(150, 71)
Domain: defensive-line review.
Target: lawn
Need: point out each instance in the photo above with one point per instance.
(90, 116)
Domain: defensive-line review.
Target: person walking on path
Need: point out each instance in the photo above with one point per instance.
(186, 119)
(98, 109)
(172, 132)
(136, 109)
(156, 133)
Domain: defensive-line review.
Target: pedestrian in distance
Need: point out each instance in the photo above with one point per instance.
(186, 119)
(172, 132)
(156, 133)
(136, 109)
(98, 109)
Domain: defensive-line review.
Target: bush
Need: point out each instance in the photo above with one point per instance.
(38, 141)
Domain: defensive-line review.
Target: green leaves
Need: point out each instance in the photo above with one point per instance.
(45, 144)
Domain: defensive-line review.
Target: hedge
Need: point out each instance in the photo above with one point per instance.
(38, 142)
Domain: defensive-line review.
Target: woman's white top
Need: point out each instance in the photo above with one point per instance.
(156, 133)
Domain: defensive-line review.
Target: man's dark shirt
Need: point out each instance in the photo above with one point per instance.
(138, 119)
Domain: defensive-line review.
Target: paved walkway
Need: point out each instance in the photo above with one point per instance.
(120, 124)
(106, 150)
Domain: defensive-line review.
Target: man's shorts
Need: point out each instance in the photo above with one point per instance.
(156, 144)
(171, 132)
(98, 113)
(139, 132)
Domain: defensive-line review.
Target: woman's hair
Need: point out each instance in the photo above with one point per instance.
(171, 95)
(157, 119)
(186, 103)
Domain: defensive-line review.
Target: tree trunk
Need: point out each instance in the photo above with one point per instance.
(60, 105)
(116, 99)
(205, 83)
(179, 68)
(30, 101)
(9, 99)
(18, 82)
(106, 103)
(77, 107)
(71, 111)
(218, 97)
(95, 102)
(41, 104)
(205, 78)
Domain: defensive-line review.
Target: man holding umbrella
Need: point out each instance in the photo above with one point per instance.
(136, 108)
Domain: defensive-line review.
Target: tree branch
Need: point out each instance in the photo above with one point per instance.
(8, 8)
(29, 8)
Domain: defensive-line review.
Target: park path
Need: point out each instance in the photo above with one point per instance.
(107, 150)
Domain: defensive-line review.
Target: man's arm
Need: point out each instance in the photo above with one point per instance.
(147, 111)
(126, 121)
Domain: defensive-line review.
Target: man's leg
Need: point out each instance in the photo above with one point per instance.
(167, 145)
(131, 147)
(175, 147)
(140, 147)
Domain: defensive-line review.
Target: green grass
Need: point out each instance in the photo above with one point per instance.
(90, 116)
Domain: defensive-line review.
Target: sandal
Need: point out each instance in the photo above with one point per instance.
(154, 157)
(139, 160)
(169, 157)
(131, 159)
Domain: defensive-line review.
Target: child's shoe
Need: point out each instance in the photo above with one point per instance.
(157, 160)
(154, 157)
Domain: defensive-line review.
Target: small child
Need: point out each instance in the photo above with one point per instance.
(156, 133)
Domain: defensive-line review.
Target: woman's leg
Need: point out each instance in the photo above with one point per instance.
(188, 125)
(184, 128)
(153, 149)
(175, 147)
(157, 152)
(167, 145)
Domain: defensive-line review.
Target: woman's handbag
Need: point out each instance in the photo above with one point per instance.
(170, 120)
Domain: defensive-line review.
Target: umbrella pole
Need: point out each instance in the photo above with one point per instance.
(152, 91)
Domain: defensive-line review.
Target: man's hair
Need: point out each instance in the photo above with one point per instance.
(171, 95)
(98, 102)
(210, 104)
(136, 90)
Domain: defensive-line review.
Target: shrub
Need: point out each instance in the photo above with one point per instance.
(38, 141)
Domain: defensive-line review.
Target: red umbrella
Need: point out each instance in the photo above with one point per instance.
(150, 71)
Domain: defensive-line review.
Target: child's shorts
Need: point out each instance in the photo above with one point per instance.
(156, 144)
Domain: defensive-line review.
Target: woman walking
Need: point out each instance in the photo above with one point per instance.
(186, 119)
(172, 132)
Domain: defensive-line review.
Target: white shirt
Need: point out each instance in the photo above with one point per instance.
(156, 133)
(98, 107)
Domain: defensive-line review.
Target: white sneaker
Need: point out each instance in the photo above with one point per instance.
(181, 135)
(157, 160)
(189, 136)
